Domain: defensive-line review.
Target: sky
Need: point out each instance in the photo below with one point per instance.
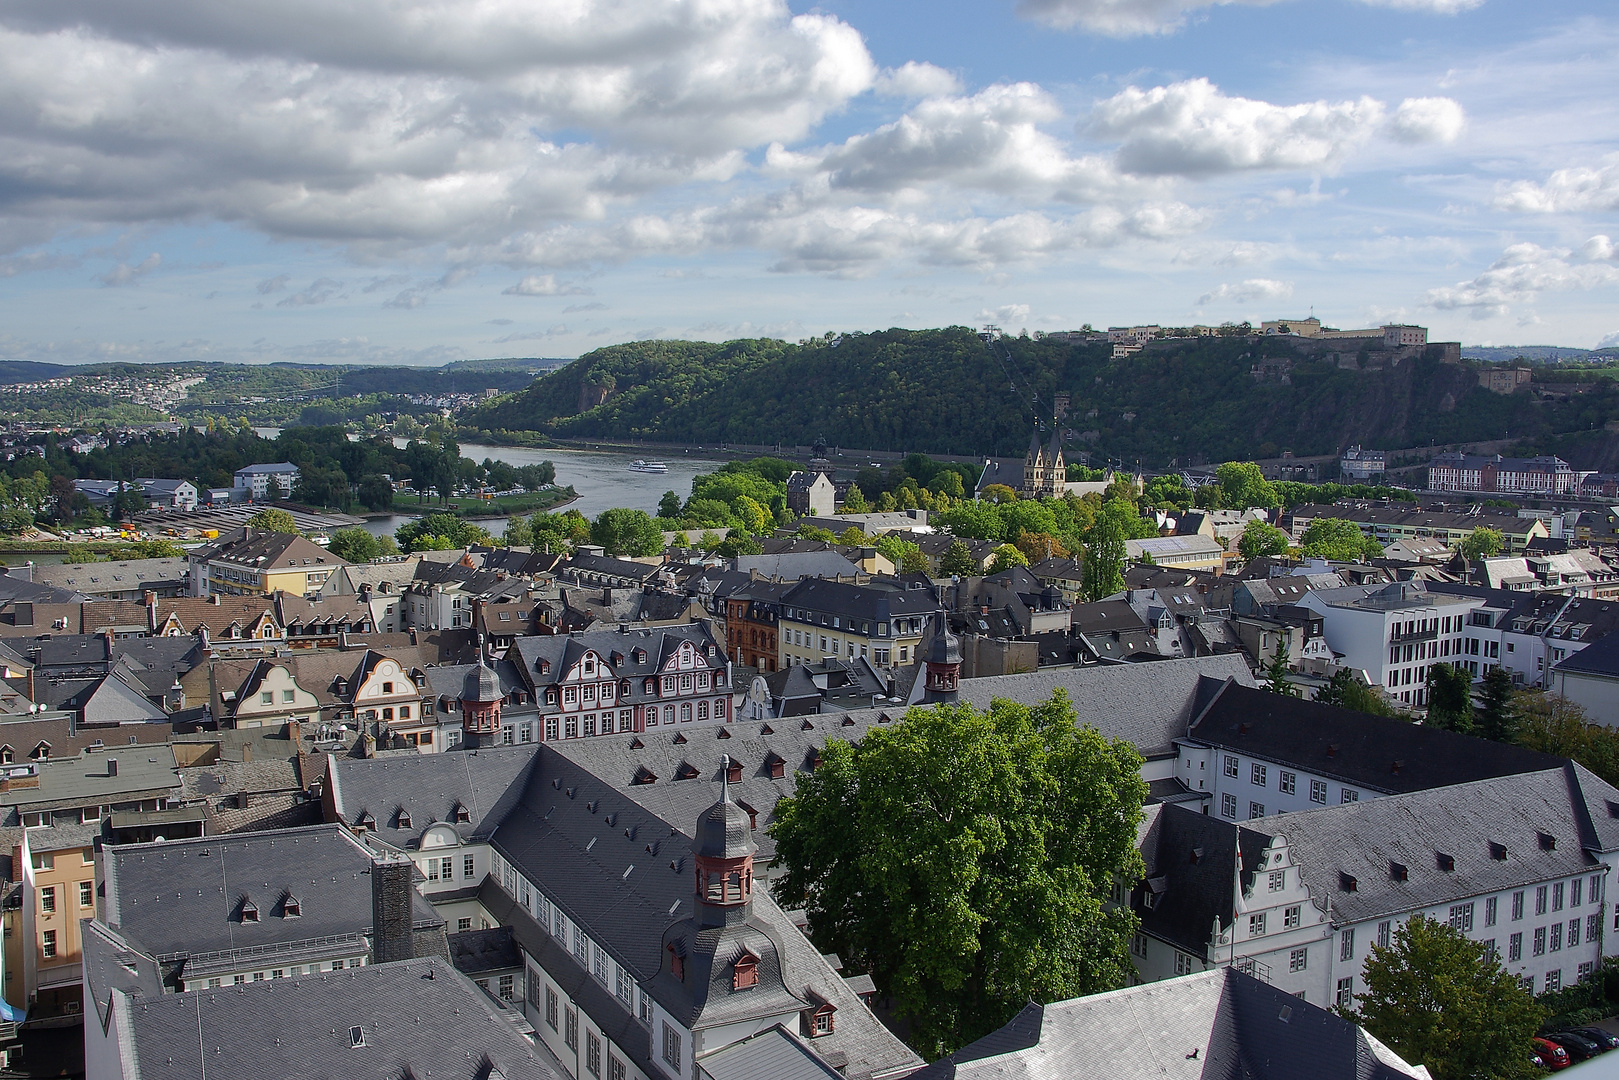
(419, 181)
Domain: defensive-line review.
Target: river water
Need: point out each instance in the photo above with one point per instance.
(603, 479)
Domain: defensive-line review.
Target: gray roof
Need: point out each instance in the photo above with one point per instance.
(774, 1053)
(1599, 658)
(1570, 805)
(178, 898)
(417, 1018)
(144, 772)
(113, 576)
(1193, 856)
(486, 782)
(874, 601)
(1237, 1026)
(789, 566)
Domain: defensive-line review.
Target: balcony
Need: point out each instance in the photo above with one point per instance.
(1396, 637)
(1253, 967)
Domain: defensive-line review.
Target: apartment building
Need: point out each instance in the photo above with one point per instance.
(1494, 473)
(883, 620)
(247, 561)
(1392, 632)
(269, 481)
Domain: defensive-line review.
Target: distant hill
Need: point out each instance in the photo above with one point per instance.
(946, 391)
(19, 371)
(1549, 354)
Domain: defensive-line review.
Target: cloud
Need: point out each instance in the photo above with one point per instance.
(320, 290)
(125, 274)
(500, 322)
(274, 285)
(917, 80)
(1427, 120)
(1006, 315)
(559, 330)
(1575, 190)
(1524, 271)
(1129, 18)
(544, 285)
(1193, 129)
(33, 261)
(1609, 340)
(595, 305)
(1247, 292)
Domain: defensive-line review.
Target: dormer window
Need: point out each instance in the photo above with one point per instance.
(1548, 842)
(677, 962)
(777, 766)
(42, 752)
(250, 911)
(1446, 863)
(733, 772)
(819, 1021)
(745, 971)
(403, 820)
(462, 815)
(291, 908)
(366, 821)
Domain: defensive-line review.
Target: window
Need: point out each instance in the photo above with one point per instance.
(1346, 943)
(1256, 925)
(1298, 959)
(599, 969)
(581, 947)
(551, 1007)
(625, 988)
(1383, 929)
(1230, 765)
(1557, 937)
(1540, 942)
(615, 1068)
(1573, 932)
(1290, 916)
(671, 1045)
(1183, 964)
(1489, 949)
(267, 697)
(1461, 917)
(1346, 993)
(87, 894)
(1138, 944)
(289, 696)
(463, 925)
(1593, 927)
(48, 944)
(1228, 805)
(1554, 980)
(468, 866)
(1517, 906)
(1350, 796)
(508, 988)
(1256, 810)
(1489, 911)
(1557, 897)
(1585, 971)
(1596, 887)
(1278, 878)
(593, 1054)
(1318, 791)
(47, 899)
(1257, 776)
(646, 1009)
(1574, 889)
(1540, 900)
(1515, 948)
(570, 1034)
(1288, 784)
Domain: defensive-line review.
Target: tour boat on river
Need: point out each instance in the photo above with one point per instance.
(642, 465)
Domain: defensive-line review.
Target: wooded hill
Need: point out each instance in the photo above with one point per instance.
(948, 392)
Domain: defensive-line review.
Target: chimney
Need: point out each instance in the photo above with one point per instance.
(391, 894)
(151, 611)
(213, 598)
(112, 766)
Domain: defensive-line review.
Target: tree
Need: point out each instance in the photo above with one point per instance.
(1496, 718)
(958, 561)
(806, 531)
(440, 532)
(1261, 538)
(1553, 724)
(1276, 671)
(1438, 998)
(1039, 546)
(376, 492)
(1337, 540)
(558, 532)
(753, 515)
(669, 506)
(1167, 493)
(1005, 557)
(854, 502)
(853, 536)
(737, 543)
(1104, 560)
(273, 519)
(1481, 543)
(622, 531)
(906, 556)
(998, 493)
(1242, 485)
(518, 533)
(353, 545)
(1348, 692)
(940, 855)
(1450, 698)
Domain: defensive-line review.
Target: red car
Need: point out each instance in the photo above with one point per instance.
(1554, 1056)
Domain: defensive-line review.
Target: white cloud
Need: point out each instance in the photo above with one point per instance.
(1526, 270)
(1427, 120)
(1245, 292)
(917, 80)
(1128, 18)
(320, 290)
(125, 274)
(1609, 340)
(1006, 315)
(1573, 190)
(274, 285)
(544, 285)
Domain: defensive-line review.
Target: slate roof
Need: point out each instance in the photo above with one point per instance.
(790, 566)
(1377, 752)
(871, 602)
(181, 898)
(488, 783)
(1601, 657)
(476, 952)
(1237, 1025)
(299, 1027)
(259, 550)
(1194, 856)
(144, 772)
(1578, 811)
(774, 1053)
(95, 578)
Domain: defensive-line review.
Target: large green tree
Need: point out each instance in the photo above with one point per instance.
(1276, 680)
(1104, 560)
(627, 532)
(1338, 540)
(958, 561)
(1496, 718)
(1005, 557)
(1481, 543)
(1242, 486)
(1440, 999)
(1450, 698)
(273, 519)
(964, 859)
(1261, 538)
(1347, 691)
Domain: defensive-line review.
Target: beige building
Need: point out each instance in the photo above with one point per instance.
(246, 561)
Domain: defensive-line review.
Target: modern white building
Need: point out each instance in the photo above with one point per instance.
(274, 481)
(1392, 632)
(1590, 678)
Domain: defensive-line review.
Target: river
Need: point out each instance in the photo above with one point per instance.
(603, 479)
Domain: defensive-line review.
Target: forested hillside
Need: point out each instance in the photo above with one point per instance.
(946, 391)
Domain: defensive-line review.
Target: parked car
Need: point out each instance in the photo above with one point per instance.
(1578, 1046)
(1554, 1057)
(1605, 1039)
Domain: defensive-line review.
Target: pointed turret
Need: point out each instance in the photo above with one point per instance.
(723, 853)
(943, 662)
